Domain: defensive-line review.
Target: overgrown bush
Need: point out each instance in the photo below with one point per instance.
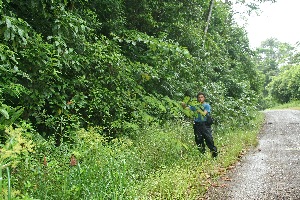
(70, 67)
(102, 168)
(286, 86)
(91, 166)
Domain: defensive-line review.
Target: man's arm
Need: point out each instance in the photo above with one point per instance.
(202, 112)
(184, 106)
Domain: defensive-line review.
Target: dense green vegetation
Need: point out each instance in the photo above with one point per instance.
(80, 63)
(285, 87)
(279, 64)
(161, 164)
(101, 82)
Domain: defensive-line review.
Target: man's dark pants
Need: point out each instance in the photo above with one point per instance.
(203, 134)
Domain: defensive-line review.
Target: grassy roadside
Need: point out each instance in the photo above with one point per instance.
(160, 163)
(291, 105)
(190, 177)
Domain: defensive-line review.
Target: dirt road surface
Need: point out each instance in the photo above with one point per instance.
(272, 169)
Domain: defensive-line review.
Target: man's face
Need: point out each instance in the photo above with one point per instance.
(201, 98)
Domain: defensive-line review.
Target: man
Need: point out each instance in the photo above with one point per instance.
(202, 132)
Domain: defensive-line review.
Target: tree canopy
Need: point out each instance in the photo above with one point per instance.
(121, 64)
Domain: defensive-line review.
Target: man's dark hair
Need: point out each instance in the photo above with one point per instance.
(201, 93)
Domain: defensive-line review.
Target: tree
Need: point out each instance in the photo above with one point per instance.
(270, 56)
(286, 86)
(295, 59)
(121, 64)
(211, 4)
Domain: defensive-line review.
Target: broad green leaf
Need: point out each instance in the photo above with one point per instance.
(4, 113)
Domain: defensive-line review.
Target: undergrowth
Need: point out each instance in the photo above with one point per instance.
(291, 105)
(159, 163)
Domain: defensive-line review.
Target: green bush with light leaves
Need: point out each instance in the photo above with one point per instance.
(286, 86)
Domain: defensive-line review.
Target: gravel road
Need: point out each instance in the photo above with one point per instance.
(272, 169)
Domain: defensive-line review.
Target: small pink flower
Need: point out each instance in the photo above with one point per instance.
(45, 161)
(73, 161)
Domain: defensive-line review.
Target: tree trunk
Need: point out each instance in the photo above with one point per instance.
(211, 4)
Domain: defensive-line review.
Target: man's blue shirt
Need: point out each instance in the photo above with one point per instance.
(204, 106)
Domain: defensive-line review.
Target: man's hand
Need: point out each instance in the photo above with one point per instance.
(183, 105)
(203, 113)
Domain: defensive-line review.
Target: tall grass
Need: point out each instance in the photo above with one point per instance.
(291, 105)
(190, 176)
(159, 163)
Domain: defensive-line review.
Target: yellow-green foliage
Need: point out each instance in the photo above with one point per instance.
(192, 102)
(15, 147)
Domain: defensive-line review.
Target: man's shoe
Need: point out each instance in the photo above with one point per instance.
(214, 154)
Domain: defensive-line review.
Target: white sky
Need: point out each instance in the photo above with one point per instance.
(279, 20)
